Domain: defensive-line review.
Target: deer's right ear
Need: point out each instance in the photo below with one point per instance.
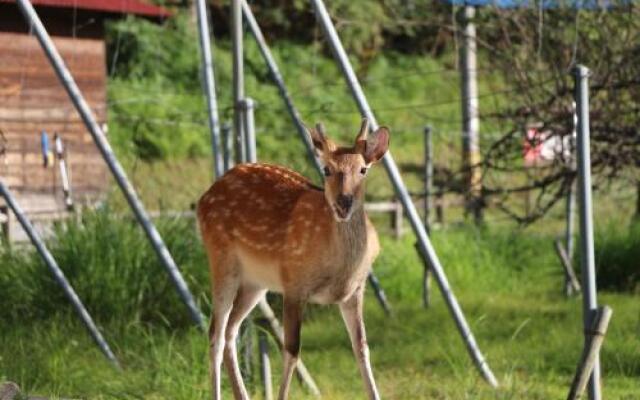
(316, 138)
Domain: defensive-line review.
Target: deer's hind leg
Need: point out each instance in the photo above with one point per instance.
(247, 298)
(226, 283)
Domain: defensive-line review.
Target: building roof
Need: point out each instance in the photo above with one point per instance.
(136, 7)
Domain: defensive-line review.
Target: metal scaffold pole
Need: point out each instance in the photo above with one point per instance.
(107, 153)
(402, 193)
(209, 85)
(587, 253)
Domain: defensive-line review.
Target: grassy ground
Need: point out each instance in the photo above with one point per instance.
(509, 285)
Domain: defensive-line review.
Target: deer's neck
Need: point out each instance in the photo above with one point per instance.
(351, 237)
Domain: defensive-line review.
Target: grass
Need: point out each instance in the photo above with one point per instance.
(508, 283)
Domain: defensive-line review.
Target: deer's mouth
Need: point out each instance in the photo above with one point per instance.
(341, 214)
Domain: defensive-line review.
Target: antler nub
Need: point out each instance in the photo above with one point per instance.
(364, 130)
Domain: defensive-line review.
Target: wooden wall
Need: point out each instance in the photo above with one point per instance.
(32, 100)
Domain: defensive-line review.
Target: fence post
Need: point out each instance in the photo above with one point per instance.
(227, 137)
(58, 275)
(571, 199)
(470, 120)
(107, 153)
(238, 78)
(428, 204)
(589, 299)
(265, 363)
(209, 85)
(401, 191)
(248, 123)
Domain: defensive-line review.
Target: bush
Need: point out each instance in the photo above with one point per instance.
(112, 267)
(617, 257)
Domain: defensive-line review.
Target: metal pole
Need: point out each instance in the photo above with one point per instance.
(227, 137)
(379, 293)
(282, 88)
(238, 77)
(571, 199)
(587, 257)
(470, 120)
(248, 105)
(265, 363)
(59, 275)
(209, 85)
(403, 195)
(428, 200)
(107, 153)
(428, 177)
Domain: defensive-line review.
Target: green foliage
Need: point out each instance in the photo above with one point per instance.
(112, 266)
(617, 255)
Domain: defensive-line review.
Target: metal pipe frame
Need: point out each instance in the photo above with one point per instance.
(59, 276)
(587, 254)
(66, 79)
(209, 85)
(402, 193)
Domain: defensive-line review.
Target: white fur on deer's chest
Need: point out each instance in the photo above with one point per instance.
(337, 281)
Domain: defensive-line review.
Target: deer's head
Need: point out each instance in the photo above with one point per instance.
(345, 168)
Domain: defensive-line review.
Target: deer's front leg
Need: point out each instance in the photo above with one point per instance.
(292, 323)
(351, 310)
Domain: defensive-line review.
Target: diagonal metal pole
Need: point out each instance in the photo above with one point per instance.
(209, 85)
(587, 253)
(403, 195)
(297, 120)
(117, 171)
(279, 81)
(58, 275)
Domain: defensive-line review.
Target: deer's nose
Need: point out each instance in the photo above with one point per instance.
(345, 201)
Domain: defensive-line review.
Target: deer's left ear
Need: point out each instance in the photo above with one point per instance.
(376, 144)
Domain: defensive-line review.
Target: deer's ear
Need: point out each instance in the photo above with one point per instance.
(376, 144)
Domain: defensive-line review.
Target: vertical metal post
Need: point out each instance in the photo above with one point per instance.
(209, 85)
(247, 106)
(265, 363)
(571, 200)
(470, 120)
(589, 297)
(282, 88)
(238, 76)
(428, 177)
(428, 201)
(59, 275)
(107, 153)
(227, 137)
(403, 195)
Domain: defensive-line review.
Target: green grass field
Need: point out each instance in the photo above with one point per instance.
(508, 282)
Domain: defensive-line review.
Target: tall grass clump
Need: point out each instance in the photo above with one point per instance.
(618, 257)
(111, 265)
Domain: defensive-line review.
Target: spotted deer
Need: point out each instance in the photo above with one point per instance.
(266, 227)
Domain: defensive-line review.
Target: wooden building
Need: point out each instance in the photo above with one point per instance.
(32, 99)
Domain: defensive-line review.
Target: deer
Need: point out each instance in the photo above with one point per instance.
(267, 228)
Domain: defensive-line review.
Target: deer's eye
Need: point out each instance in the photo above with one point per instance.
(363, 170)
(326, 171)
